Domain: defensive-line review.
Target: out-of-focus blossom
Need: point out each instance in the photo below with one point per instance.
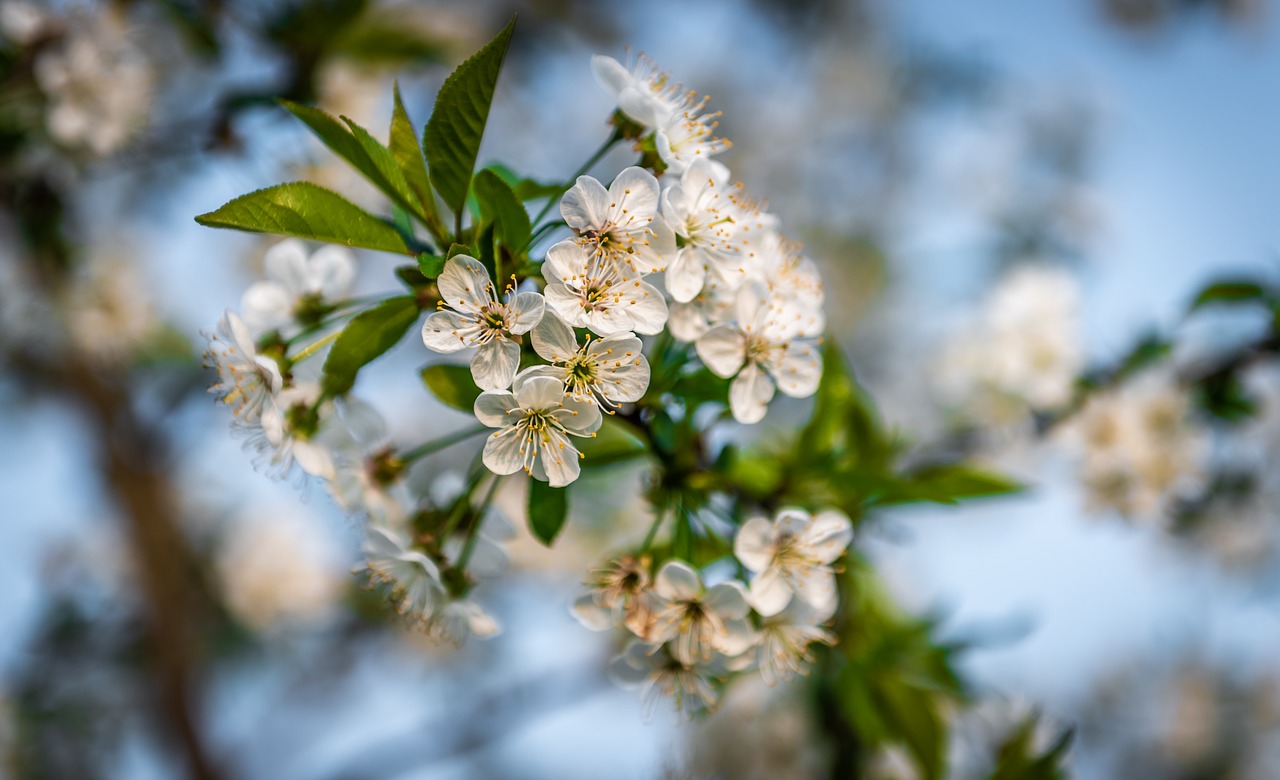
(22, 22)
(247, 382)
(298, 286)
(698, 621)
(659, 674)
(108, 312)
(98, 84)
(759, 733)
(786, 638)
(299, 428)
(618, 595)
(278, 568)
(1141, 448)
(1023, 352)
(793, 555)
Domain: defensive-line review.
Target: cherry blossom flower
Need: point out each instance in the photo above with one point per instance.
(413, 578)
(619, 594)
(659, 674)
(760, 352)
(621, 224)
(686, 134)
(606, 372)
(699, 621)
(599, 294)
(299, 429)
(785, 639)
(534, 424)
(793, 555)
(472, 316)
(297, 287)
(643, 92)
(247, 381)
(719, 229)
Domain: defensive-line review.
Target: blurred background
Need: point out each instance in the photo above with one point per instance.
(166, 611)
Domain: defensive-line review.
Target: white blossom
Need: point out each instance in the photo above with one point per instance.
(413, 578)
(621, 224)
(606, 372)
(658, 673)
(296, 282)
(588, 291)
(761, 352)
(472, 316)
(619, 594)
(360, 484)
(699, 621)
(721, 230)
(247, 381)
(643, 92)
(534, 424)
(299, 429)
(792, 556)
(785, 639)
(98, 85)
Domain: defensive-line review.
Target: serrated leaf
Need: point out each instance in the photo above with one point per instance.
(459, 249)
(366, 338)
(430, 265)
(548, 508)
(408, 154)
(397, 185)
(307, 211)
(499, 205)
(1230, 291)
(452, 385)
(452, 136)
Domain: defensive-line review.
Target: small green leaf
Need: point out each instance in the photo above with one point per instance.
(412, 276)
(408, 155)
(548, 508)
(1230, 291)
(949, 483)
(430, 265)
(499, 205)
(365, 338)
(526, 189)
(396, 184)
(306, 211)
(459, 249)
(453, 385)
(453, 133)
(615, 442)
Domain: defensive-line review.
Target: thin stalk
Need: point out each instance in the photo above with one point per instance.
(653, 531)
(436, 445)
(473, 532)
(315, 347)
(586, 166)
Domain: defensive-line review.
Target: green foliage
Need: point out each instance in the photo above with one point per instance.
(947, 483)
(307, 211)
(1232, 291)
(616, 442)
(364, 152)
(407, 153)
(548, 508)
(500, 206)
(526, 189)
(365, 338)
(453, 133)
(430, 265)
(1016, 758)
(452, 385)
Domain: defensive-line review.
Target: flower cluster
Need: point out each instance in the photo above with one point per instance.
(671, 258)
(687, 636)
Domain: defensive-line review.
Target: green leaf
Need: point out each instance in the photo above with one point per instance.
(548, 508)
(408, 154)
(452, 137)
(365, 338)
(306, 211)
(412, 276)
(364, 152)
(500, 205)
(615, 442)
(387, 40)
(453, 385)
(1230, 291)
(526, 189)
(459, 249)
(430, 265)
(949, 483)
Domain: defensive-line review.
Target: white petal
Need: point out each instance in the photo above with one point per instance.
(722, 350)
(559, 459)
(586, 205)
(685, 275)
(829, 535)
(817, 588)
(686, 321)
(750, 306)
(627, 382)
(553, 339)
(495, 364)
(286, 262)
(540, 392)
(677, 581)
(590, 614)
(447, 331)
(754, 544)
(565, 262)
(770, 592)
(465, 284)
(267, 306)
(587, 419)
(799, 370)
(492, 409)
(502, 452)
(481, 623)
(739, 637)
(634, 195)
(649, 312)
(749, 395)
(526, 311)
(313, 459)
(610, 73)
(331, 271)
(567, 303)
(727, 599)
